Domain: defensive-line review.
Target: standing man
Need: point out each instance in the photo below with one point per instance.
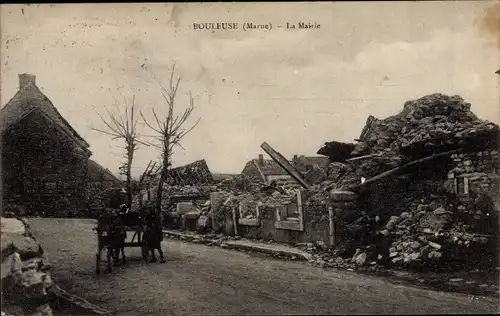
(154, 234)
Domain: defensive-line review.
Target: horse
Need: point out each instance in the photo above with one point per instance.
(111, 234)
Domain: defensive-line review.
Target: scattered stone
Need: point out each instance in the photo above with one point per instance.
(415, 256)
(361, 259)
(391, 223)
(434, 245)
(321, 244)
(434, 255)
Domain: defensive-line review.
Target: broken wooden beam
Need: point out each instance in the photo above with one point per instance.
(286, 165)
(401, 168)
(360, 157)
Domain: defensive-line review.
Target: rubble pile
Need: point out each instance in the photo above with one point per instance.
(196, 173)
(434, 232)
(424, 226)
(225, 210)
(433, 120)
(341, 175)
(238, 184)
(25, 276)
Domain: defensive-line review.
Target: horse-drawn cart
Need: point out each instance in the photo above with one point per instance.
(112, 234)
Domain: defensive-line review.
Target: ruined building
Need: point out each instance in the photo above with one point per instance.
(267, 170)
(44, 160)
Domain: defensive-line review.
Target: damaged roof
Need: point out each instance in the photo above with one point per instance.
(270, 167)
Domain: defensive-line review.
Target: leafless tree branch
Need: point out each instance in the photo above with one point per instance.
(170, 129)
(122, 125)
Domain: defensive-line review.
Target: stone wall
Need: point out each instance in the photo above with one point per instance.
(299, 222)
(25, 277)
(475, 179)
(475, 175)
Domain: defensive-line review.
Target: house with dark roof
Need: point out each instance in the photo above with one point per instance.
(44, 160)
(306, 163)
(266, 170)
(100, 177)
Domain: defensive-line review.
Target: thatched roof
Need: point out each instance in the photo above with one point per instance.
(28, 98)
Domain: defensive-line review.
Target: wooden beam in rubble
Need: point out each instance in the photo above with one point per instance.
(285, 164)
(145, 172)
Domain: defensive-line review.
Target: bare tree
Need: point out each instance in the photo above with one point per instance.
(122, 125)
(169, 130)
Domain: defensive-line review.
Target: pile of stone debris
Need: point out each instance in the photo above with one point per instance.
(427, 228)
(434, 120)
(25, 277)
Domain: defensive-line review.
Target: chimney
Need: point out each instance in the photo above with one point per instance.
(24, 79)
(295, 158)
(261, 159)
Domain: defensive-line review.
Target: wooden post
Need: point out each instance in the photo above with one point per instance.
(300, 209)
(235, 222)
(285, 164)
(332, 226)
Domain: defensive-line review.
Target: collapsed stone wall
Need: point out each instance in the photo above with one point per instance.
(419, 218)
(480, 169)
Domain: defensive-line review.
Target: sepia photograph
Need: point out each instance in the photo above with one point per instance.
(260, 158)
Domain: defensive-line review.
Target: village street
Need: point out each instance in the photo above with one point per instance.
(199, 279)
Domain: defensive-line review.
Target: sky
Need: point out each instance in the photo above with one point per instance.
(294, 89)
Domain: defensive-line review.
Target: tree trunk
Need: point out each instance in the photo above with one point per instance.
(130, 158)
(163, 177)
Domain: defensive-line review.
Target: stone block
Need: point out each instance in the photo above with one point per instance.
(204, 222)
(289, 225)
(186, 207)
(192, 215)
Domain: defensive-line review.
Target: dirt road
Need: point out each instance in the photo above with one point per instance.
(198, 279)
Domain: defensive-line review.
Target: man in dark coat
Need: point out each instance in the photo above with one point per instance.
(154, 234)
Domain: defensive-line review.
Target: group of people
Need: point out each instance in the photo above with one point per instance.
(152, 233)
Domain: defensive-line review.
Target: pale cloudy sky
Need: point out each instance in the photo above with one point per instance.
(294, 89)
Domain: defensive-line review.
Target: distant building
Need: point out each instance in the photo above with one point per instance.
(100, 177)
(44, 160)
(305, 163)
(266, 170)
